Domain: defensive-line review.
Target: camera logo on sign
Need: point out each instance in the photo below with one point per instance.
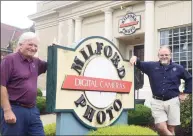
(95, 82)
(129, 23)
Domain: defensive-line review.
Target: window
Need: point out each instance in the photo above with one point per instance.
(180, 41)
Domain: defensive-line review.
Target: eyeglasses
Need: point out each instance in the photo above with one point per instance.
(30, 44)
(162, 55)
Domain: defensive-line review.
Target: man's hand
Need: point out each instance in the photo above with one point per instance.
(9, 116)
(133, 60)
(182, 96)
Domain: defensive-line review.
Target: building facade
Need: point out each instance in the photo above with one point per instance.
(135, 27)
(9, 37)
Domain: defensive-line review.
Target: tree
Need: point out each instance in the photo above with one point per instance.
(12, 45)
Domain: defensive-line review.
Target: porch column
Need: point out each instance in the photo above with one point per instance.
(149, 30)
(70, 31)
(78, 28)
(145, 92)
(36, 55)
(108, 23)
(60, 40)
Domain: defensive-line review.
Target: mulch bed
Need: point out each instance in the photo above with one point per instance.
(183, 132)
(46, 113)
(179, 131)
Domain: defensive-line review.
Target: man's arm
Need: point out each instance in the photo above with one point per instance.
(186, 76)
(6, 68)
(42, 66)
(143, 66)
(9, 116)
(5, 99)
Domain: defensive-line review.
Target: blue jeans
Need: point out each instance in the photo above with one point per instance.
(27, 122)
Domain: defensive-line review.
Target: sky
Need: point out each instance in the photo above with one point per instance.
(15, 13)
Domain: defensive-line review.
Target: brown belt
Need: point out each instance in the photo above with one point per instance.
(22, 105)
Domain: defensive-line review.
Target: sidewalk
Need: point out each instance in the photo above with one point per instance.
(48, 119)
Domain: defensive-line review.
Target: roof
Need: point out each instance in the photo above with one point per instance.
(9, 33)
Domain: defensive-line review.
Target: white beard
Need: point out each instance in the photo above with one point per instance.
(164, 62)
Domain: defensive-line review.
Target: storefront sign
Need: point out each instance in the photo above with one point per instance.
(129, 23)
(94, 81)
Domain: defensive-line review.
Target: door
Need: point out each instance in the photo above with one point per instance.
(139, 76)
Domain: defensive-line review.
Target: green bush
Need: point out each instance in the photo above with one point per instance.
(50, 129)
(39, 92)
(41, 103)
(186, 113)
(140, 116)
(123, 130)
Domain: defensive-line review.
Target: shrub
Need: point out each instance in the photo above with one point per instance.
(140, 116)
(186, 114)
(123, 130)
(50, 129)
(39, 92)
(41, 103)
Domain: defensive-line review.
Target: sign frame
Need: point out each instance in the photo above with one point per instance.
(51, 84)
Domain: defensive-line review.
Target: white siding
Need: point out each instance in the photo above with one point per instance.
(93, 26)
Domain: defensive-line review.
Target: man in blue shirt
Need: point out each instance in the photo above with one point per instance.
(165, 78)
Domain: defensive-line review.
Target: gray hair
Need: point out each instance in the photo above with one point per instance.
(27, 36)
(165, 47)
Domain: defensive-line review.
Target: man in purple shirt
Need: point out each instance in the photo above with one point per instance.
(19, 73)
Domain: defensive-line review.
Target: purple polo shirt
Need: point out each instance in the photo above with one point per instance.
(19, 76)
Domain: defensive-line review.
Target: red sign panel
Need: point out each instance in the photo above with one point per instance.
(73, 82)
(129, 24)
